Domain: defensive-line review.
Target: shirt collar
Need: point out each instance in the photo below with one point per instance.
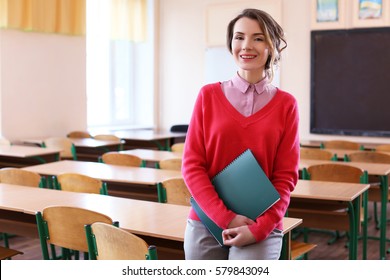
(243, 85)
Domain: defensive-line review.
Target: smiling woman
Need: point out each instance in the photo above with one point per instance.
(229, 117)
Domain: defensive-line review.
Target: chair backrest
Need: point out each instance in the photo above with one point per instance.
(336, 173)
(74, 182)
(314, 153)
(369, 156)
(108, 242)
(178, 147)
(63, 226)
(16, 176)
(174, 191)
(383, 148)
(171, 164)
(107, 137)
(117, 158)
(79, 134)
(68, 150)
(179, 128)
(342, 144)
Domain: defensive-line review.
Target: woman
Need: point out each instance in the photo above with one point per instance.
(246, 112)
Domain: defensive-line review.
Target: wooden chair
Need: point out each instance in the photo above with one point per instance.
(6, 253)
(107, 137)
(313, 153)
(111, 137)
(68, 150)
(108, 242)
(117, 158)
(179, 128)
(299, 249)
(16, 176)
(174, 191)
(341, 144)
(383, 148)
(74, 182)
(178, 147)
(330, 172)
(374, 193)
(63, 226)
(170, 164)
(79, 134)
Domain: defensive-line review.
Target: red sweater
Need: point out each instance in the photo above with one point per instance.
(218, 133)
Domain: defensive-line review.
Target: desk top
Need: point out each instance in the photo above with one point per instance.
(93, 143)
(25, 151)
(152, 155)
(310, 189)
(155, 219)
(107, 172)
(317, 143)
(147, 134)
(379, 169)
(138, 216)
(342, 152)
(78, 142)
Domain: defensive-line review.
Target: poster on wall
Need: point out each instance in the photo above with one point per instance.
(370, 13)
(327, 11)
(370, 9)
(328, 14)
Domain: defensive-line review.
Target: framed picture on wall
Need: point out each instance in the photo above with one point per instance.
(370, 13)
(328, 14)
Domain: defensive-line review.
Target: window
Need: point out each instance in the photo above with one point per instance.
(120, 64)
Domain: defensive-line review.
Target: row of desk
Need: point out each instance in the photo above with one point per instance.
(158, 224)
(140, 183)
(122, 181)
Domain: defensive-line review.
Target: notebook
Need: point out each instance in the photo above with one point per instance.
(244, 188)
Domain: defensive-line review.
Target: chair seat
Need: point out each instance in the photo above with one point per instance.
(6, 253)
(300, 248)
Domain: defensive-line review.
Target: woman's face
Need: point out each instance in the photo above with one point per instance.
(249, 49)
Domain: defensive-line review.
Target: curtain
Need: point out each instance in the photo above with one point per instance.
(129, 20)
(48, 16)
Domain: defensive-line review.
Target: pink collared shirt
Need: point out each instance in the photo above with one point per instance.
(248, 98)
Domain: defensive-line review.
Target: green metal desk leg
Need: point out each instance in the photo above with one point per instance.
(364, 225)
(353, 208)
(383, 218)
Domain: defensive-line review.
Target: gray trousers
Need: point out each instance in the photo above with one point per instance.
(199, 244)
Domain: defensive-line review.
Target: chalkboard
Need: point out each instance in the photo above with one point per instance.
(350, 82)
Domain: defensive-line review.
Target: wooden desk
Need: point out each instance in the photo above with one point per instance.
(317, 144)
(123, 181)
(140, 138)
(343, 154)
(19, 156)
(159, 224)
(381, 170)
(347, 194)
(87, 149)
(151, 157)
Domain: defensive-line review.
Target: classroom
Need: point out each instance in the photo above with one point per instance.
(46, 90)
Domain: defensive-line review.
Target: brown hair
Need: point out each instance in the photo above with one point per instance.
(273, 32)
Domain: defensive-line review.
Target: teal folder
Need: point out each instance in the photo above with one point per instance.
(244, 188)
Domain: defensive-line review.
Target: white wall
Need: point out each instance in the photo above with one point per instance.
(42, 78)
(43, 88)
(183, 52)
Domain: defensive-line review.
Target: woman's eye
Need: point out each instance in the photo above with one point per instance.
(259, 39)
(238, 38)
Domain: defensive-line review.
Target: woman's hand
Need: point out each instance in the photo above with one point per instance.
(238, 236)
(240, 220)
